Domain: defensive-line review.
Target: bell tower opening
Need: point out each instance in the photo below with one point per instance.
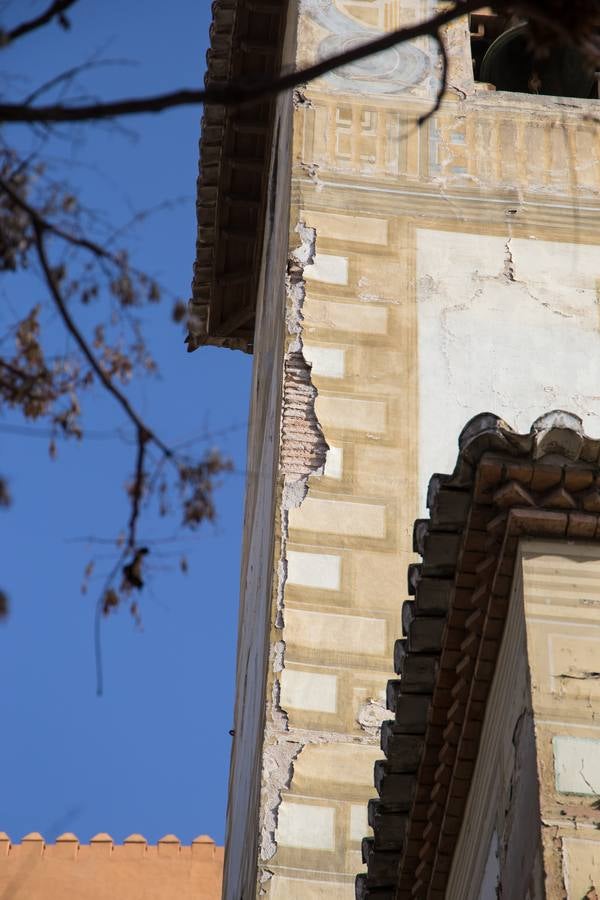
(503, 55)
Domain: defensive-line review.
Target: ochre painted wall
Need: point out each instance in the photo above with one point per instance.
(102, 870)
(434, 272)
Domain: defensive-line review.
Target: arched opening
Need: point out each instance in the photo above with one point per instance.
(503, 55)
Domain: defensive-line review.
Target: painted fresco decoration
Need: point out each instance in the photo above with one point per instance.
(394, 70)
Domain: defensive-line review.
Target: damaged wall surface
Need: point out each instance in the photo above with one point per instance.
(534, 795)
(562, 604)
(431, 273)
(499, 851)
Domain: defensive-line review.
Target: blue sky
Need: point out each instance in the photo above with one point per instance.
(152, 754)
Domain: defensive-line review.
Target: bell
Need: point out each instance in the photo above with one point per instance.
(511, 65)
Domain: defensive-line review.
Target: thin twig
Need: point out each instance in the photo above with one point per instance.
(45, 433)
(37, 219)
(443, 82)
(57, 8)
(74, 331)
(235, 93)
(137, 488)
(98, 625)
(69, 74)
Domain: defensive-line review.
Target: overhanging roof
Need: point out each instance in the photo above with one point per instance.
(505, 486)
(246, 43)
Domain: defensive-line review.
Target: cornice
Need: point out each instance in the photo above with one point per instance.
(505, 486)
(246, 43)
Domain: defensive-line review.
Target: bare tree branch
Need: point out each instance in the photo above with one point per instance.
(237, 93)
(443, 81)
(137, 488)
(547, 23)
(74, 331)
(69, 74)
(57, 8)
(46, 225)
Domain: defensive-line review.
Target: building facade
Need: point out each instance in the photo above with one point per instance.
(393, 279)
(104, 870)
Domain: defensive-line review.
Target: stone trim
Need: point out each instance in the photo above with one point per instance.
(505, 486)
(246, 43)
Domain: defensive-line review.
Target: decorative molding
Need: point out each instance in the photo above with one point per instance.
(505, 486)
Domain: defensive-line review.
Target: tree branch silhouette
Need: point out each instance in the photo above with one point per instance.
(57, 8)
(234, 93)
(29, 380)
(550, 20)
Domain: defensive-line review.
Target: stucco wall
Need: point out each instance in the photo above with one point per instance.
(259, 531)
(562, 605)
(433, 273)
(103, 870)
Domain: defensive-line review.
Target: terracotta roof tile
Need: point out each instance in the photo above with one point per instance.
(504, 485)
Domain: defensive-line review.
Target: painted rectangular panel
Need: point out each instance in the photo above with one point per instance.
(367, 230)
(326, 361)
(576, 765)
(313, 691)
(314, 570)
(328, 268)
(364, 318)
(306, 826)
(340, 517)
(334, 464)
(581, 866)
(351, 414)
(330, 631)
(359, 825)
(497, 322)
(338, 764)
(282, 888)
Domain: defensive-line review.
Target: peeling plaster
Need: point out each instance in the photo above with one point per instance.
(278, 770)
(311, 170)
(300, 100)
(371, 715)
(303, 453)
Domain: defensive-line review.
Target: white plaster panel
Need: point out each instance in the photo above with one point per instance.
(509, 326)
(328, 268)
(577, 765)
(314, 570)
(329, 362)
(312, 691)
(359, 824)
(330, 631)
(334, 464)
(308, 827)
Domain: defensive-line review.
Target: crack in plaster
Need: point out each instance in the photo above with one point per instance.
(509, 263)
